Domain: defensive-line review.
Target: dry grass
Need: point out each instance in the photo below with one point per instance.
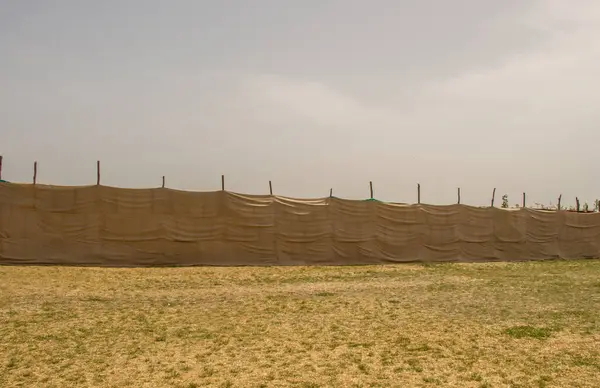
(531, 324)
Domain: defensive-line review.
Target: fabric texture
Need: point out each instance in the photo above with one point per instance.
(106, 226)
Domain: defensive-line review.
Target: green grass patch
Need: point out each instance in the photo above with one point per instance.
(529, 332)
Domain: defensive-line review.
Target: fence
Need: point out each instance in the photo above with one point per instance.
(106, 226)
(504, 204)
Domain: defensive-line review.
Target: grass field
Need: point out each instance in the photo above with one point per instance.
(534, 324)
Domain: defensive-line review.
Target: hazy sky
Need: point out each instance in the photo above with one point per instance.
(311, 94)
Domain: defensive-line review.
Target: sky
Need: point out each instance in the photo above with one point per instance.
(311, 94)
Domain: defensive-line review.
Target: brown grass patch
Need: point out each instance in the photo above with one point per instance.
(478, 325)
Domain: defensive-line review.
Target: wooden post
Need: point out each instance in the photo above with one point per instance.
(524, 200)
(493, 196)
(34, 172)
(270, 188)
(559, 198)
(98, 173)
(459, 195)
(330, 193)
(0, 166)
(419, 193)
(163, 182)
(577, 203)
(371, 189)
(222, 182)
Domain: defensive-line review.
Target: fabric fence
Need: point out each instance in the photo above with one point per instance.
(107, 226)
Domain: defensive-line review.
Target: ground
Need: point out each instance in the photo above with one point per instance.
(531, 324)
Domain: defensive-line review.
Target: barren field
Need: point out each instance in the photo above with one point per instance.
(534, 324)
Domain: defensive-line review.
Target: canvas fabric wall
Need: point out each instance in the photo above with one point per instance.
(106, 226)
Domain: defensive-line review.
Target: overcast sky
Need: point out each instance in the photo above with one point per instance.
(311, 94)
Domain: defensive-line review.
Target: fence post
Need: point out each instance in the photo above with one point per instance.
(163, 182)
(270, 188)
(0, 166)
(524, 200)
(34, 172)
(98, 173)
(559, 198)
(493, 196)
(371, 189)
(419, 193)
(330, 193)
(459, 195)
(222, 182)
(577, 203)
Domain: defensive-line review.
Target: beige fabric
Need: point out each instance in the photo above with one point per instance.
(100, 225)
